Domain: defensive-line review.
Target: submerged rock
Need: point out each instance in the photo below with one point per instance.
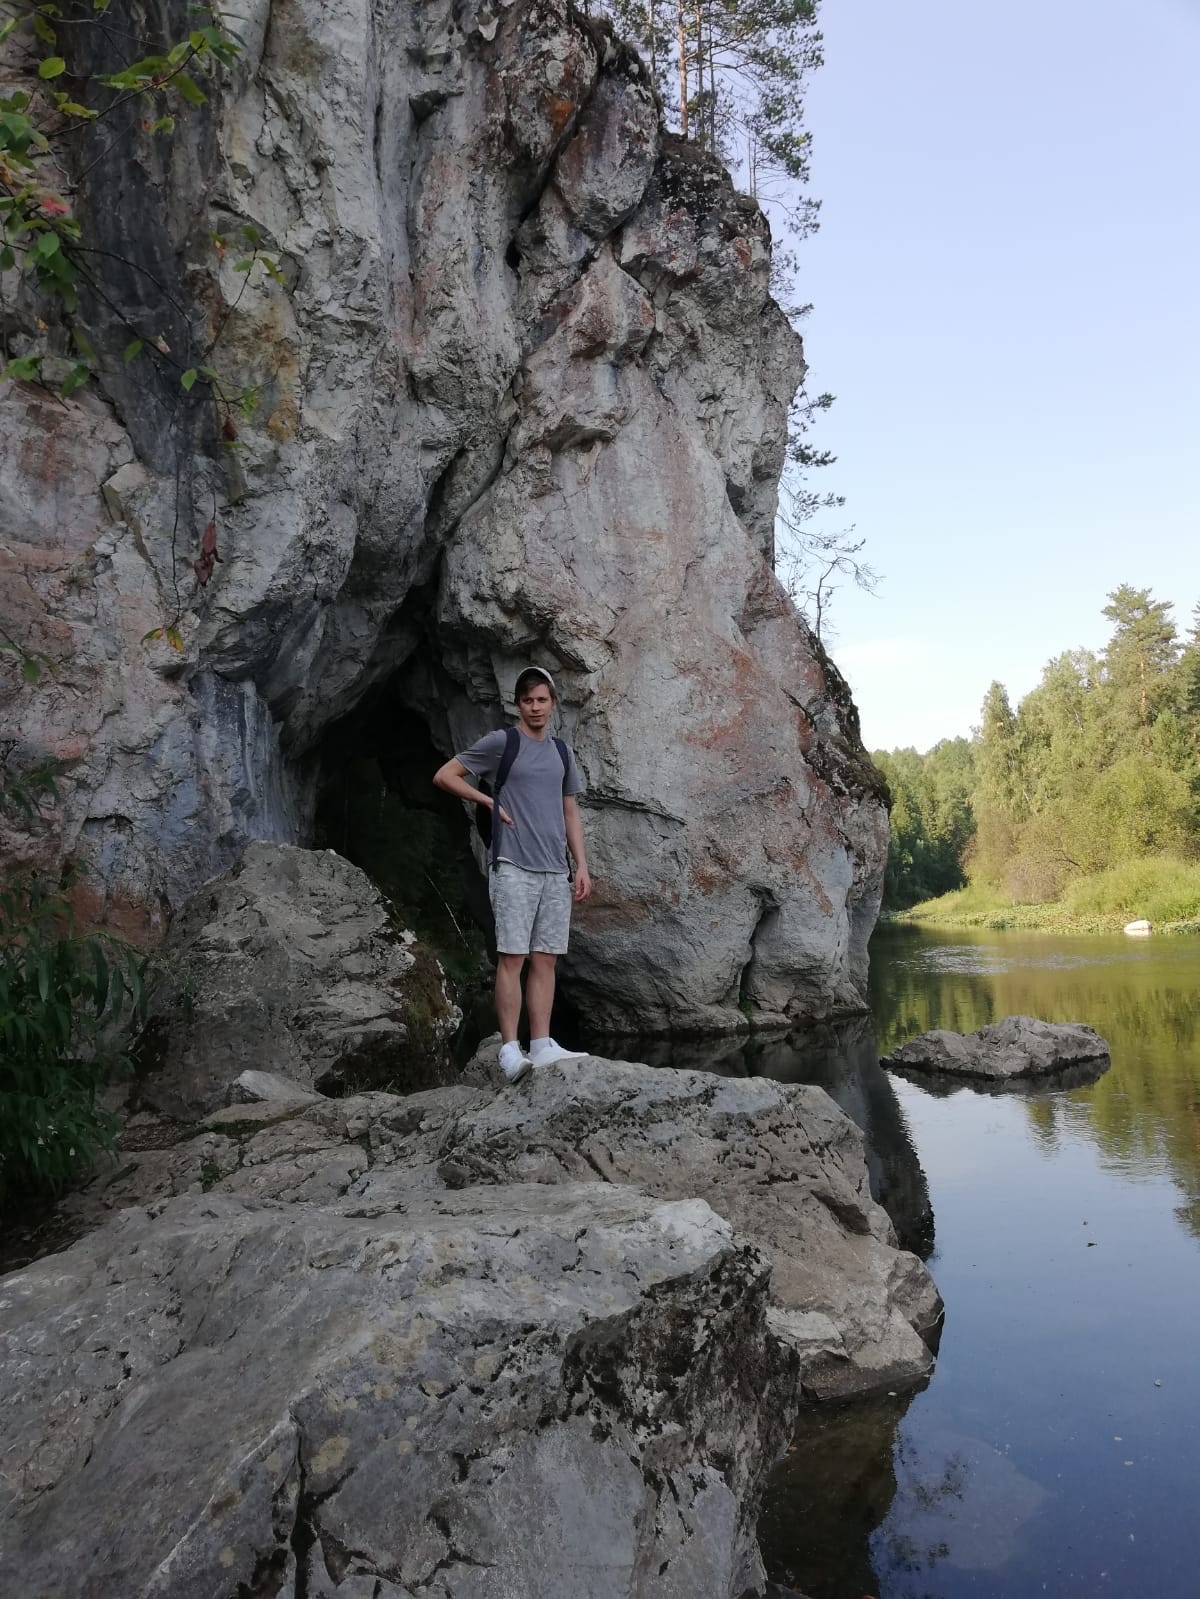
(1016, 1049)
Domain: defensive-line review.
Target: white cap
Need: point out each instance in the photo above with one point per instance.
(541, 672)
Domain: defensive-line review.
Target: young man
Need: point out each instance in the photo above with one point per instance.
(534, 819)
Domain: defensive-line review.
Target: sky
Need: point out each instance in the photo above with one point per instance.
(1006, 292)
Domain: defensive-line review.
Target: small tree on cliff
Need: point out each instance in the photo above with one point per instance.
(732, 74)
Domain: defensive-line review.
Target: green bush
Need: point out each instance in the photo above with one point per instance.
(1163, 890)
(66, 1004)
(1158, 888)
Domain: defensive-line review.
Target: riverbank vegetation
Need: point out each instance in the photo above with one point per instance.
(67, 1004)
(1077, 811)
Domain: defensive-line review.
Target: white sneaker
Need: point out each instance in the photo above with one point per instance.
(546, 1052)
(514, 1063)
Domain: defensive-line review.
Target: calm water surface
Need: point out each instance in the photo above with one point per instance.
(1056, 1448)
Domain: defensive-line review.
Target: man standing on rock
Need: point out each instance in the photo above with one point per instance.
(529, 882)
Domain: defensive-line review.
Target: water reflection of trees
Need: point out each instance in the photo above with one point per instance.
(859, 1507)
(1143, 1113)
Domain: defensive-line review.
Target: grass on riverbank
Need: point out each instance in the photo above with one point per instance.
(1164, 892)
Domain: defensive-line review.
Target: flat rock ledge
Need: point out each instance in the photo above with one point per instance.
(471, 1343)
(1015, 1050)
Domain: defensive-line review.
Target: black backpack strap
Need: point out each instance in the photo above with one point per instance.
(512, 746)
(564, 756)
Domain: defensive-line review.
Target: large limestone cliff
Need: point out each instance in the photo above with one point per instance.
(523, 396)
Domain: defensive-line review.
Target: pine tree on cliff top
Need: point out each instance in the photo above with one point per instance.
(732, 76)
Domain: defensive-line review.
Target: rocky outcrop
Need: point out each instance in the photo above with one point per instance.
(1019, 1049)
(528, 1390)
(780, 1162)
(545, 1340)
(291, 962)
(522, 392)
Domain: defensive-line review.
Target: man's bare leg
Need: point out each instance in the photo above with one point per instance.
(539, 993)
(508, 994)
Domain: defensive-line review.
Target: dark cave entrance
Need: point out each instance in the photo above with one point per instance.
(377, 806)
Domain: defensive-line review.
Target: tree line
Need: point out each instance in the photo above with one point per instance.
(1098, 766)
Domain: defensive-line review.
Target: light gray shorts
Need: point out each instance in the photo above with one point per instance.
(532, 910)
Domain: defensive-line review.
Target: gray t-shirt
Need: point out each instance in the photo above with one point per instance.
(532, 795)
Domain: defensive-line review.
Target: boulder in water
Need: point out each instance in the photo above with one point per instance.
(1017, 1049)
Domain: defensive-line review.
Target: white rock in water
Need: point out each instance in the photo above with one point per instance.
(1141, 929)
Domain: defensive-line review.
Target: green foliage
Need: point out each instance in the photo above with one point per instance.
(52, 277)
(732, 75)
(1164, 891)
(1098, 766)
(932, 820)
(1083, 798)
(64, 1003)
(41, 242)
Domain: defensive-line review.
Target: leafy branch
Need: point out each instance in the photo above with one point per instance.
(66, 1004)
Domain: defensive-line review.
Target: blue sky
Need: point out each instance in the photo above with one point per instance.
(1006, 285)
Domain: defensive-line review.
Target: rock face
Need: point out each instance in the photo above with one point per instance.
(544, 1341)
(523, 394)
(1015, 1049)
(470, 1398)
(780, 1161)
(290, 962)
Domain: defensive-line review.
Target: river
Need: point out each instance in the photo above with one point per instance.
(1054, 1450)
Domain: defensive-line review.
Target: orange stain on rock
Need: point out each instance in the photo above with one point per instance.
(560, 110)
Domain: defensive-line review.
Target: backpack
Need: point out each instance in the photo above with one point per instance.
(512, 746)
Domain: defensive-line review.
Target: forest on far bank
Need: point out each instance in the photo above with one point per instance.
(1086, 795)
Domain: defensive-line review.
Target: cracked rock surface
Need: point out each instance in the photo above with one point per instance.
(290, 963)
(523, 393)
(526, 1391)
(468, 1342)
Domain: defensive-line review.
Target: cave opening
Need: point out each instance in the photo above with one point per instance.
(376, 806)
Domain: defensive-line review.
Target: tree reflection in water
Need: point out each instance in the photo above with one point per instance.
(1140, 995)
(829, 1494)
